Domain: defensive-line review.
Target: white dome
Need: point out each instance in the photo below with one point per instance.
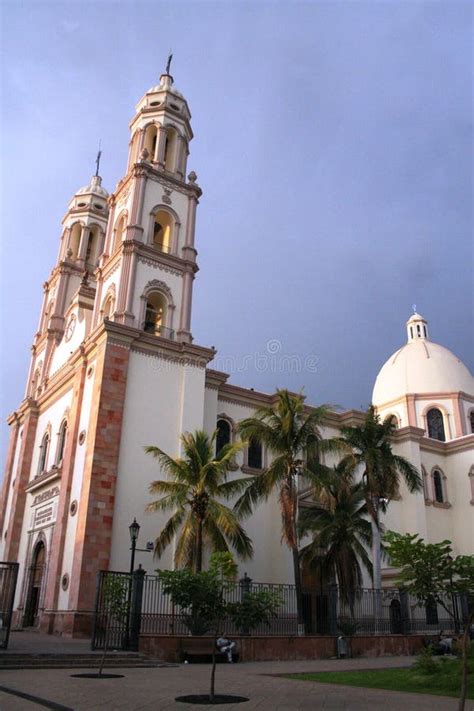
(420, 367)
(94, 187)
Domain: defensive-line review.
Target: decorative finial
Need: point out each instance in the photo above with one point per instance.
(97, 160)
(168, 63)
(414, 308)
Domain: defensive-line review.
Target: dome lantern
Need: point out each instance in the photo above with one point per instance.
(417, 327)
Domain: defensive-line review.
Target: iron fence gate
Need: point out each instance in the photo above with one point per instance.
(8, 579)
(147, 609)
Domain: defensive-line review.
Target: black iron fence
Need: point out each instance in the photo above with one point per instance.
(8, 579)
(325, 611)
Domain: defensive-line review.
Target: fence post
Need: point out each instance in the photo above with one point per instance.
(138, 580)
(404, 611)
(333, 590)
(245, 584)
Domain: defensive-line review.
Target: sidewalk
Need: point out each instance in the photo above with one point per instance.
(155, 689)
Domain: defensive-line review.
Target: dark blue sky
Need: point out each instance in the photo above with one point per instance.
(333, 142)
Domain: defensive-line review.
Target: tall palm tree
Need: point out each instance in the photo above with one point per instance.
(291, 434)
(340, 530)
(382, 471)
(195, 488)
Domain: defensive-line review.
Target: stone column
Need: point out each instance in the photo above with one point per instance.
(184, 332)
(159, 156)
(22, 477)
(15, 425)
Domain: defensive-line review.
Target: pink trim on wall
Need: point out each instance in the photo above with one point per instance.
(8, 470)
(12, 542)
(59, 533)
(410, 399)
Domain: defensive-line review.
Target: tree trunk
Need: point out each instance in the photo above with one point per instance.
(299, 595)
(213, 670)
(464, 666)
(377, 570)
(199, 547)
(102, 661)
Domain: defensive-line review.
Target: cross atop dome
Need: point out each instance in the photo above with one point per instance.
(417, 327)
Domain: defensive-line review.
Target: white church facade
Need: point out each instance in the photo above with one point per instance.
(114, 368)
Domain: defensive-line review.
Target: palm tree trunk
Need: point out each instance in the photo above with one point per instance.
(298, 590)
(376, 555)
(199, 547)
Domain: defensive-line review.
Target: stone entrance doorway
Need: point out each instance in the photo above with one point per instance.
(34, 588)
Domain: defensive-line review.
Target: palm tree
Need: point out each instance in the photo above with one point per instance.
(340, 530)
(371, 448)
(194, 491)
(289, 431)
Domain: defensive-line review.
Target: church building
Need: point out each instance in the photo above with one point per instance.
(114, 368)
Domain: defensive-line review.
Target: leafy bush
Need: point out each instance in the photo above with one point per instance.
(425, 664)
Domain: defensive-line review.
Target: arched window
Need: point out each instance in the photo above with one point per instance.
(151, 137)
(118, 233)
(254, 454)
(438, 486)
(471, 420)
(162, 231)
(394, 419)
(155, 314)
(74, 241)
(92, 246)
(43, 457)
(224, 434)
(434, 419)
(61, 442)
(108, 307)
(171, 146)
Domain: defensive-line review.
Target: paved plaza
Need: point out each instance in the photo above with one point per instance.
(155, 689)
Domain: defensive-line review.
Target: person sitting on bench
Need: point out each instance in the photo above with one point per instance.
(225, 646)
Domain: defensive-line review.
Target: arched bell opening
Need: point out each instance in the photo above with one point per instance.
(92, 249)
(74, 241)
(162, 231)
(171, 150)
(151, 138)
(156, 314)
(36, 574)
(119, 233)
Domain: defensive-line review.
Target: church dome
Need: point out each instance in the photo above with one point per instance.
(94, 187)
(420, 366)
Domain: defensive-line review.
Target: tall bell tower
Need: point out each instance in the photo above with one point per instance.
(114, 368)
(148, 265)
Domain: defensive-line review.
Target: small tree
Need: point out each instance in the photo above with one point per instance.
(204, 594)
(430, 573)
(115, 600)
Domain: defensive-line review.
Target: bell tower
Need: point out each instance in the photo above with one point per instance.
(149, 261)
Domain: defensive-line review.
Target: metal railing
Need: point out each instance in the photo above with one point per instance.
(325, 612)
(161, 331)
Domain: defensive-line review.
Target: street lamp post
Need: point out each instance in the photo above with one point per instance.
(134, 529)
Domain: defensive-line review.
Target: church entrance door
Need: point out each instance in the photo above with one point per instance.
(34, 589)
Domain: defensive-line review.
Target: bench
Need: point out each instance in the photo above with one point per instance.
(199, 650)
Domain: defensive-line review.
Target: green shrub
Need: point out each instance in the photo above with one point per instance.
(425, 664)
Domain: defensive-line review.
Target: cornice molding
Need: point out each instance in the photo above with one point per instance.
(43, 479)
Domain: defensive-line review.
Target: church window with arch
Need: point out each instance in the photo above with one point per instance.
(118, 233)
(43, 457)
(471, 421)
(62, 434)
(435, 423)
(438, 487)
(255, 454)
(224, 434)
